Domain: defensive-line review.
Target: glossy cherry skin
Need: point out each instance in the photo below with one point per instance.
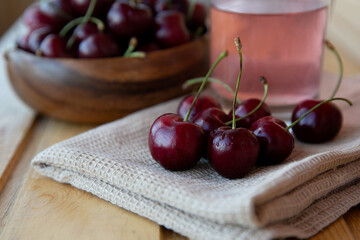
(101, 7)
(176, 145)
(63, 5)
(37, 36)
(34, 17)
(247, 106)
(276, 143)
(232, 152)
(126, 21)
(211, 119)
(178, 5)
(321, 125)
(198, 17)
(203, 102)
(98, 45)
(54, 46)
(23, 42)
(261, 121)
(84, 31)
(171, 30)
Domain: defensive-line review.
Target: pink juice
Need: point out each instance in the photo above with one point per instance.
(283, 42)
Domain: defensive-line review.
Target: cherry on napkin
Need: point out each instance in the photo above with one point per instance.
(312, 188)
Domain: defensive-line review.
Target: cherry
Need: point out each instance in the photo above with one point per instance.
(175, 144)
(276, 142)
(62, 5)
(126, 21)
(171, 30)
(266, 119)
(101, 7)
(246, 107)
(98, 45)
(84, 31)
(321, 125)
(203, 103)
(54, 46)
(232, 152)
(37, 36)
(211, 119)
(34, 18)
(23, 42)
(179, 5)
(197, 17)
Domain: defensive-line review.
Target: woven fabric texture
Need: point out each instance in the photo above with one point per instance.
(312, 188)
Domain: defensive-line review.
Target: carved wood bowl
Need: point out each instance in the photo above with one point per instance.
(102, 90)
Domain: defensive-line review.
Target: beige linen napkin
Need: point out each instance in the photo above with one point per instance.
(316, 185)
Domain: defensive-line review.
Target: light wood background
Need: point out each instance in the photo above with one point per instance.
(10, 10)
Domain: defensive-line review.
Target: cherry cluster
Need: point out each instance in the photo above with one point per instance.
(202, 129)
(104, 28)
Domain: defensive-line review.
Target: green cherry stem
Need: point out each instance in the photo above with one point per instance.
(214, 80)
(238, 46)
(265, 83)
(130, 50)
(70, 25)
(315, 107)
(222, 55)
(332, 48)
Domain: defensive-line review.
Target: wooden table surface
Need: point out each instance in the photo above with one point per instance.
(36, 207)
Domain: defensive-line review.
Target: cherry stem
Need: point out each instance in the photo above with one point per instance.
(332, 48)
(77, 21)
(238, 46)
(265, 83)
(85, 19)
(130, 50)
(214, 80)
(222, 55)
(315, 107)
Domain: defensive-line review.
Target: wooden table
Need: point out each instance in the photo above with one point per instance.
(36, 207)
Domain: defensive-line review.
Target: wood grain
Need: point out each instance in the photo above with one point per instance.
(101, 90)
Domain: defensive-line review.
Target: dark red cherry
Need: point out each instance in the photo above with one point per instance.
(34, 18)
(211, 119)
(232, 152)
(171, 30)
(37, 36)
(101, 7)
(204, 102)
(60, 9)
(198, 17)
(23, 42)
(178, 5)
(276, 143)
(98, 46)
(246, 107)
(126, 21)
(321, 125)
(54, 46)
(149, 3)
(174, 144)
(266, 119)
(63, 5)
(82, 32)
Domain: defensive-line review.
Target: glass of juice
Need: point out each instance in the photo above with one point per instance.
(282, 40)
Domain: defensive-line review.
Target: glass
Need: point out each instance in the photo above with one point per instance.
(282, 40)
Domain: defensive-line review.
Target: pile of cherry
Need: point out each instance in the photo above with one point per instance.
(202, 129)
(107, 28)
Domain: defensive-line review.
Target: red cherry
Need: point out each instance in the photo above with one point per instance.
(258, 123)
(55, 47)
(37, 36)
(211, 119)
(246, 107)
(84, 31)
(321, 125)
(171, 30)
(98, 46)
(178, 5)
(101, 7)
(203, 103)
(276, 143)
(198, 17)
(126, 21)
(176, 145)
(23, 42)
(232, 152)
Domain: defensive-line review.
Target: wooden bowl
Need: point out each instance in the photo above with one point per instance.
(101, 90)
